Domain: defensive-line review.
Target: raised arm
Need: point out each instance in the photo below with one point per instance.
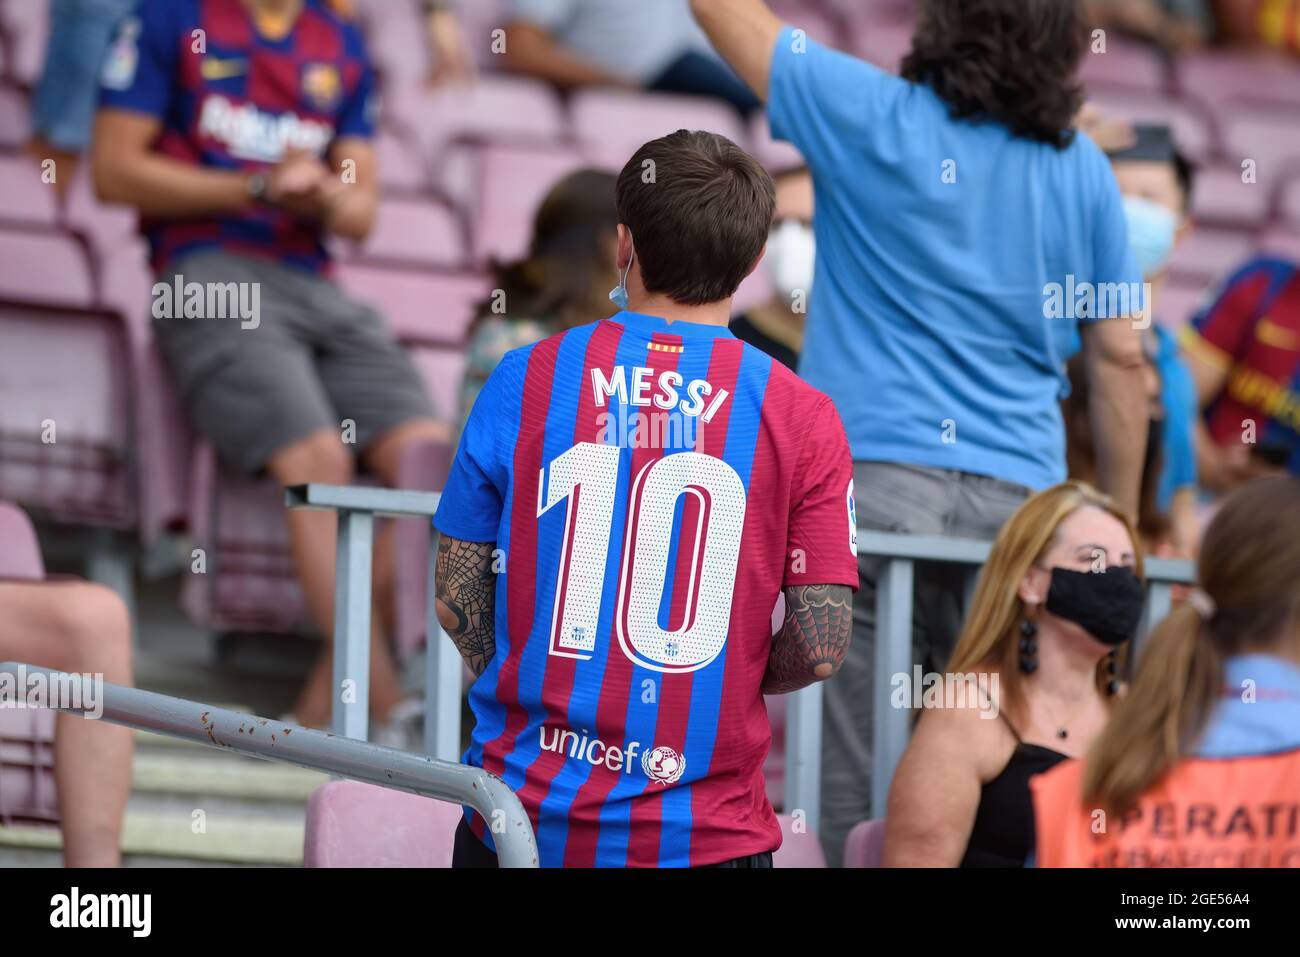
(812, 644)
(744, 32)
(466, 593)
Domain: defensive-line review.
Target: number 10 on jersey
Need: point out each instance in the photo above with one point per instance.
(586, 477)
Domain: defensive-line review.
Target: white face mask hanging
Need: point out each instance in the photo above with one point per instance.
(792, 258)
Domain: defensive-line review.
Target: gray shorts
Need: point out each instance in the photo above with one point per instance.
(307, 358)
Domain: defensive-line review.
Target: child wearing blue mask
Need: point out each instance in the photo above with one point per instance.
(1156, 183)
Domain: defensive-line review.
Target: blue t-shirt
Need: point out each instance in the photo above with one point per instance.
(1178, 397)
(945, 249)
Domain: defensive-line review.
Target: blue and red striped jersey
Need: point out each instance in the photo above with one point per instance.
(650, 487)
(231, 97)
(1251, 332)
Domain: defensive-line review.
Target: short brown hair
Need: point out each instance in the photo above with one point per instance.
(699, 209)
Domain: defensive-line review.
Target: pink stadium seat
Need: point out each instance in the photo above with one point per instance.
(479, 20)
(755, 290)
(419, 306)
(1221, 79)
(24, 197)
(108, 228)
(395, 39)
(1221, 198)
(777, 156)
(401, 168)
(865, 844)
(45, 267)
(613, 124)
(423, 468)
(1281, 242)
(506, 187)
(1209, 254)
(798, 848)
(1180, 300)
(442, 369)
(1270, 137)
(1125, 65)
(13, 117)
(1288, 207)
(1192, 126)
(495, 108)
(27, 23)
(415, 232)
(20, 553)
(27, 790)
(350, 824)
(882, 42)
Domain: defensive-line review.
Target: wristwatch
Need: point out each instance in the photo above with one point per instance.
(255, 186)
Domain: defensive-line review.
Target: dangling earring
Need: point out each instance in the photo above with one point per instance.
(1028, 647)
(1112, 686)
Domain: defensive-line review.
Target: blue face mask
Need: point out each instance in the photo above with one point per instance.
(618, 295)
(1151, 230)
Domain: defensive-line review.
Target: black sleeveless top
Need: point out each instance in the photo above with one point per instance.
(1003, 835)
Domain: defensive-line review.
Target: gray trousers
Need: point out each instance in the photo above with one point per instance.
(918, 501)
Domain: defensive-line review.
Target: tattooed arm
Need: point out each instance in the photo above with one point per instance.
(466, 590)
(811, 646)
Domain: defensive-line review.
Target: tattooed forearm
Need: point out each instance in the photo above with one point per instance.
(466, 588)
(811, 646)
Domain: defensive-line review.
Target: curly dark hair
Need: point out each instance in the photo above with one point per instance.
(1011, 61)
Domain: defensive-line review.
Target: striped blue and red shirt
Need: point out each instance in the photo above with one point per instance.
(231, 97)
(1251, 332)
(650, 487)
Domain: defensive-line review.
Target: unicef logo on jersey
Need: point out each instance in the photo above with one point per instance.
(663, 764)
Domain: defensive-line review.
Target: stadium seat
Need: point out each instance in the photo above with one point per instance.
(395, 39)
(424, 468)
(350, 824)
(1224, 80)
(882, 42)
(1281, 242)
(1209, 254)
(46, 267)
(1179, 301)
(401, 168)
(419, 306)
(24, 198)
(614, 124)
(495, 109)
(1222, 198)
(501, 187)
(27, 25)
(1192, 126)
(13, 117)
(1288, 205)
(1125, 65)
(27, 789)
(799, 848)
(414, 232)
(1270, 137)
(865, 844)
(107, 227)
(20, 553)
(442, 369)
(776, 155)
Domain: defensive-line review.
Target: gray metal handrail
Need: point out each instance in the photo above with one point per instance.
(321, 751)
(893, 647)
(357, 508)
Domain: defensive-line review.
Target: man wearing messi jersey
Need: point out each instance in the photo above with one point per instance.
(240, 130)
(628, 501)
(1244, 354)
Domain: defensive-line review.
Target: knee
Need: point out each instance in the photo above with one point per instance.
(321, 457)
(93, 625)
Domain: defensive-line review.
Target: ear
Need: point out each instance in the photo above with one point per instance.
(1033, 587)
(625, 247)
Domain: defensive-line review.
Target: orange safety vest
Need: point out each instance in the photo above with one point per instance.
(1207, 812)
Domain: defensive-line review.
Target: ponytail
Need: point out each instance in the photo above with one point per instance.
(1160, 718)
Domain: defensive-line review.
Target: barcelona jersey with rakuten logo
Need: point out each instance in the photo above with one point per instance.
(230, 96)
(650, 487)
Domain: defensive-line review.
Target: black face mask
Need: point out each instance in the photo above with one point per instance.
(1107, 605)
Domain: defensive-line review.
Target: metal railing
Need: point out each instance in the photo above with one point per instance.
(318, 750)
(893, 655)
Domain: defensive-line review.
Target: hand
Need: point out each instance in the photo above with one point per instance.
(1110, 133)
(452, 61)
(302, 185)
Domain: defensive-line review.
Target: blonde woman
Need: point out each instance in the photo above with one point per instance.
(1059, 596)
(1200, 765)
